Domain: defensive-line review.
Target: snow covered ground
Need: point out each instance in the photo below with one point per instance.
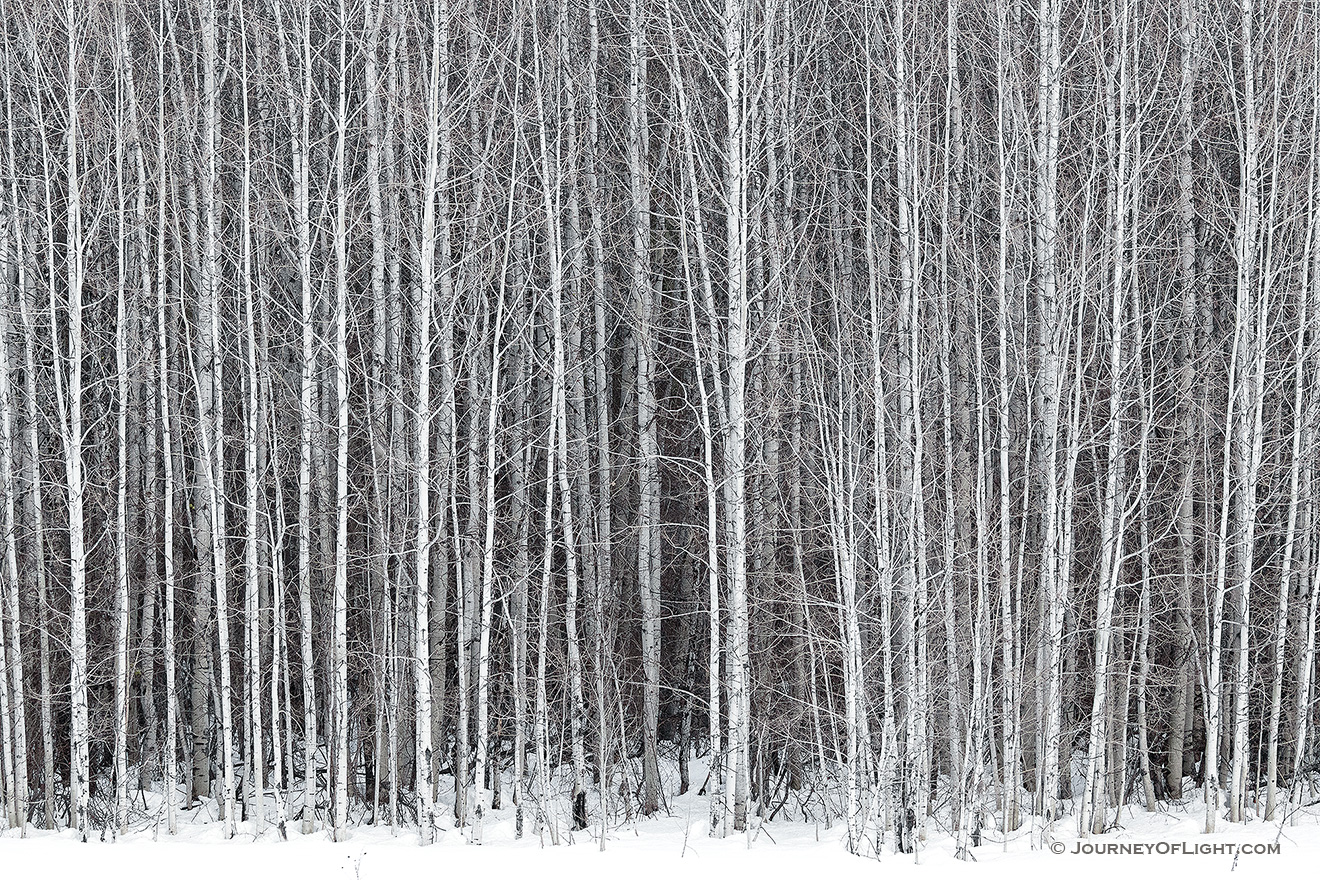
(666, 847)
(673, 846)
(669, 847)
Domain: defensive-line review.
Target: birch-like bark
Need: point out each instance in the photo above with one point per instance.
(433, 223)
(552, 176)
(340, 599)
(1047, 380)
(1252, 316)
(69, 394)
(912, 574)
(487, 590)
(35, 578)
(648, 475)
(1306, 649)
(601, 387)
(11, 639)
(164, 325)
(736, 204)
(298, 95)
(1297, 500)
(378, 419)
(210, 384)
(693, 229)
(1184, 694)
(251, 428)
(121, 431)
(9, 796)
(1144, 613)
(1214, 612)
(1004, 142)
(1092, 815)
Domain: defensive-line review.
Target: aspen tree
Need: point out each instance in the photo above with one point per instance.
(143, 473)
(692, 228)
(1297, 496)
(1252, 311)
(433, 223)
(1145, 394)
(11, 639)
(1008, 625)
(12, 798)
(378, 395)
(551, 172)
(834, 428)
(1047, 380)
(1184, 692)
(982, 647)
(121, 431)
(1117, 216)
(521, 453)
(1268, 259)
(210, 384)
(35, 578)
(251, 427)
(954, 452)
(69, 394)
(299, 100)
(541, 732)
(28, 311)
(340, 683)
(648, 503)
(201, 643)
(601, 387)
(487, 592)
(281, 739)
(1306, 650)
(1214, 612)
(163, 327)
(880, 475)
(736, 204)
(397, 446)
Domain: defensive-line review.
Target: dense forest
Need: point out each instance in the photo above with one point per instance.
(903, 412)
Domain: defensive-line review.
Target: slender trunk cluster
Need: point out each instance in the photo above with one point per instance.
(901, 416)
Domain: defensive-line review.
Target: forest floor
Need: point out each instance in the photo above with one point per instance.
(674, 844)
